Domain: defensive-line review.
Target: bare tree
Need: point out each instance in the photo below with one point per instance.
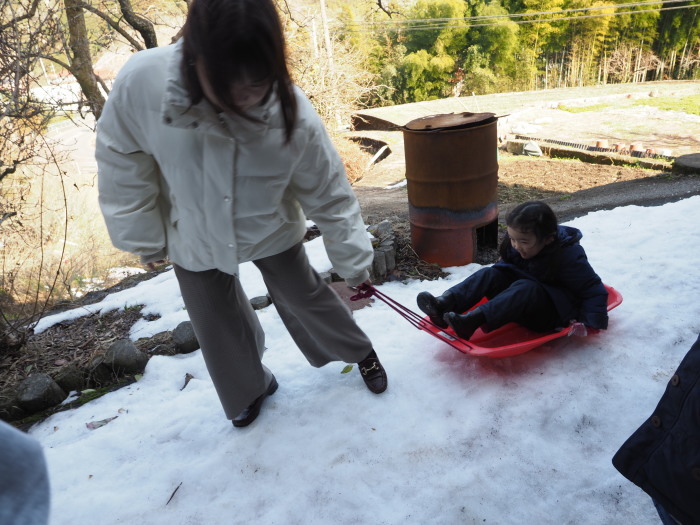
(33, 204)
(65, 40)
(80, 58)
(21, 121)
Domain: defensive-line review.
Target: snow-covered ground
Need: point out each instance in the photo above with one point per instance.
(454, 440)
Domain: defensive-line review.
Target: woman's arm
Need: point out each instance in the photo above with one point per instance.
(128, 181)
(320, 185)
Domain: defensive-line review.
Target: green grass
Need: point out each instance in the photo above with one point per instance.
(689, 104)
(581, 109)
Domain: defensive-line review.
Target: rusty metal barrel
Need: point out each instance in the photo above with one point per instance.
(452, 182)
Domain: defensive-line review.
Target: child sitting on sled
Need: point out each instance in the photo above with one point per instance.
(542, 281)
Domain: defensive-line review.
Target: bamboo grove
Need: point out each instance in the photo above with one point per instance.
(430, 49)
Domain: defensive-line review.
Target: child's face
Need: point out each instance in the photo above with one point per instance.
(526, 243)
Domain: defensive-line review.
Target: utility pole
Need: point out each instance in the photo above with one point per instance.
(326, 34)
(329, 51)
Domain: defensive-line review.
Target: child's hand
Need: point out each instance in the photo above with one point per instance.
(581, 330)
(578, 329)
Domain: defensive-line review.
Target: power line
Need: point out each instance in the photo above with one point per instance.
(441, 23)
(591, 16)
(517, 15)
(553, 19)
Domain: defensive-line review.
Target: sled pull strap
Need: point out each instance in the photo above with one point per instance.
(367, 290)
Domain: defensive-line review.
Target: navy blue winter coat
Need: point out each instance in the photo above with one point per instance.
(563, 269)
(663, 455)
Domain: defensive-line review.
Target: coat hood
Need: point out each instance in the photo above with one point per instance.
(568, 235)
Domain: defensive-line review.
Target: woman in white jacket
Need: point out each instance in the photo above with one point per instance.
(209, 155)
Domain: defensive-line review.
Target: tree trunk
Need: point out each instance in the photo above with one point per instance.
(681, 69)
(672, 63)
(605, 68)
(562, 66)
(81, 61)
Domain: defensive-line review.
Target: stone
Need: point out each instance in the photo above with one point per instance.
(260, 302)
(327, 277)
(379, 264)
(124, 358)
(70, 378)
(688, 164)
(39, 392)
(99, 373)
(389, 252)
(9, 409)
(515, 147)
(382, 230)
(184, 337)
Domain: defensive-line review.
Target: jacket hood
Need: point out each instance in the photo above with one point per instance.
(567, 235)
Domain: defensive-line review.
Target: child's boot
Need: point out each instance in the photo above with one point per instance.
(435, 307)
(465, 325)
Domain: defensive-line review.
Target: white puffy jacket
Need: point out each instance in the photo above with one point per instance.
(213, 191)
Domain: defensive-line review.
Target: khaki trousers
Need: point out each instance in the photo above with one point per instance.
(232, 340)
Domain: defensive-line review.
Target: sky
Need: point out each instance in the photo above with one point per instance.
(455, 439)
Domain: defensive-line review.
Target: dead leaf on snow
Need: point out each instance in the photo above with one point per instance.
(92, 425)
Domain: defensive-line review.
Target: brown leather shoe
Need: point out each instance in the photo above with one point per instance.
(373, 373)
(249, 414)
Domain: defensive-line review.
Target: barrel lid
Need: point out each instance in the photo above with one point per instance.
(450, 121)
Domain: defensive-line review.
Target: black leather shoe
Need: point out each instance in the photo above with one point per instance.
(465, 325)
(430, 305)
(373, 373)
(249, 414)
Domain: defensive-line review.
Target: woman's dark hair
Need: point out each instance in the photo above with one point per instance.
(236, 40)
(532, 216)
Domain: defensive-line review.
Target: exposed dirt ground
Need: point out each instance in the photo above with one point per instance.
(520, 178)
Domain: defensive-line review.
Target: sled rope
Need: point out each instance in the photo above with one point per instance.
(367, 290)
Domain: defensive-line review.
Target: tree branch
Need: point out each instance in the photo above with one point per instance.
(388, 11)
(9, 171)
(287, 11)
(29, 14)
(51, 58)
(7, 215)
(140, 24)
(114, 25)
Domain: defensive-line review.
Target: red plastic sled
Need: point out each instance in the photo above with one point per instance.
(511, 339)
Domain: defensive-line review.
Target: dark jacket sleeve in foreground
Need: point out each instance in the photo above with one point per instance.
(663, 456)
